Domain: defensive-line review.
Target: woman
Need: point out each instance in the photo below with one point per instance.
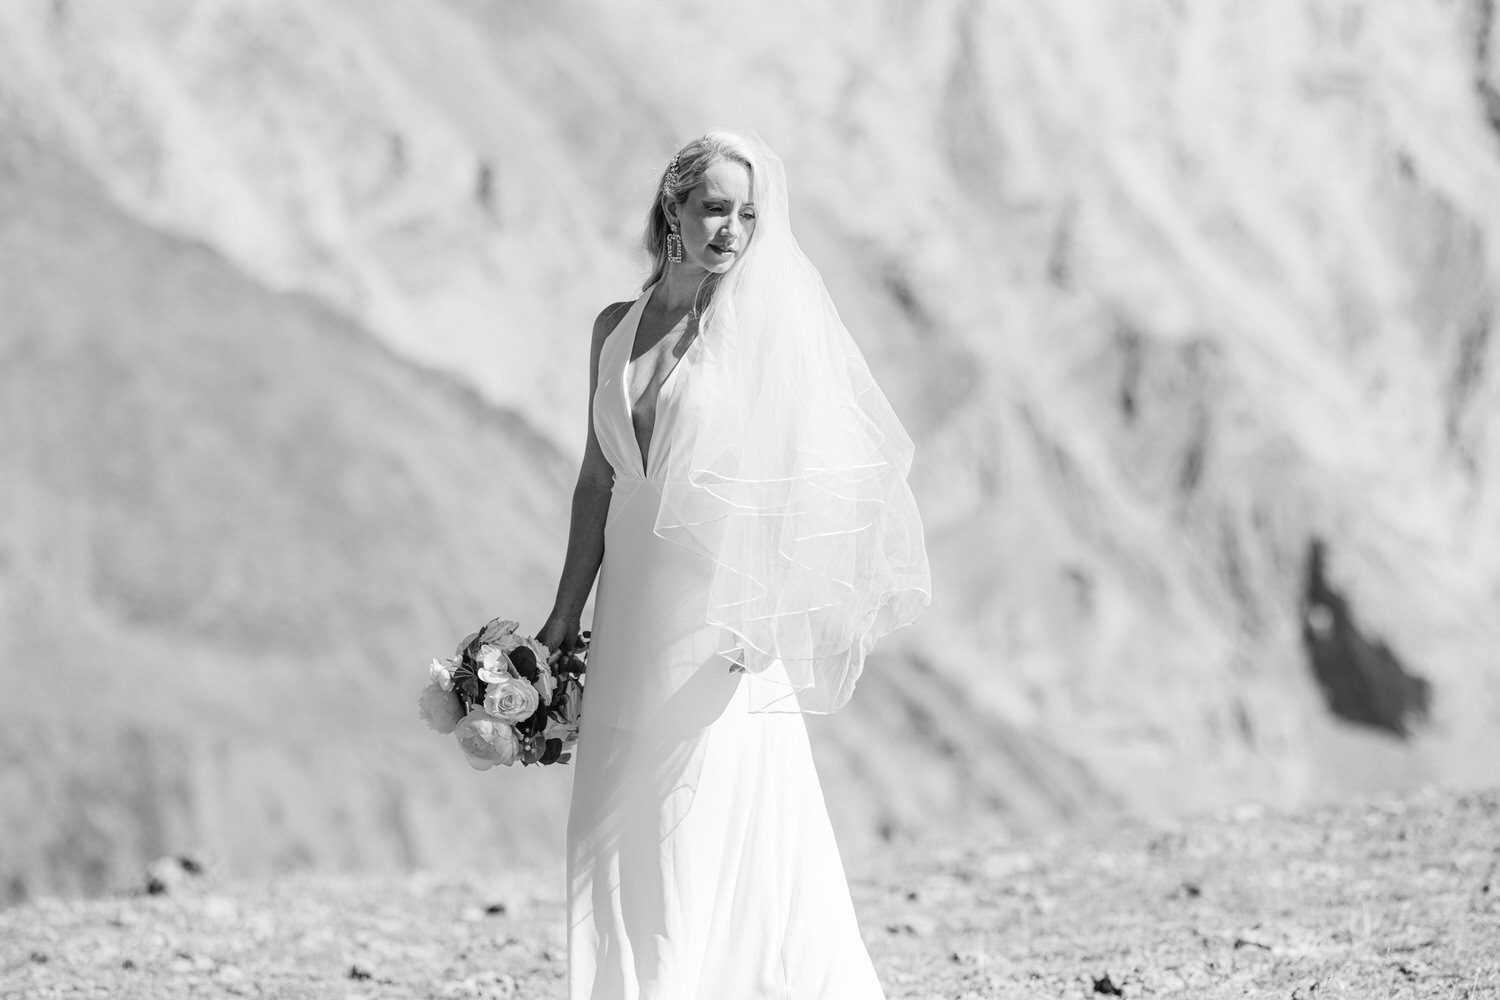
(743, 500)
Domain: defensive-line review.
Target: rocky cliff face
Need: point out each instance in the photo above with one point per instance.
(1190, 308)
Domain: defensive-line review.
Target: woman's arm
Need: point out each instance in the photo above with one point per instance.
(590, 507)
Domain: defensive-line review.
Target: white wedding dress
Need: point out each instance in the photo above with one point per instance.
(701, 861)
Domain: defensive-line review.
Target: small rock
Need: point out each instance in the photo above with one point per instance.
(166, 874)
(1306, 989)
(495, 909)
(359, 973)
(1106, 986)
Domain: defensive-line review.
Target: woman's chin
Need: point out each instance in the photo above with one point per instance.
(714, 264)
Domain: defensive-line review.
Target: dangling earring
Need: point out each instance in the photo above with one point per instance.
(669, 187)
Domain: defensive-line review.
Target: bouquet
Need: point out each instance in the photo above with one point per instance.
(505, 699)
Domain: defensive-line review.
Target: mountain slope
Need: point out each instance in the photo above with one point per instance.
(1190, 310)
(234, 528)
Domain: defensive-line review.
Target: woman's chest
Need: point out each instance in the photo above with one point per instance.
(653, 360)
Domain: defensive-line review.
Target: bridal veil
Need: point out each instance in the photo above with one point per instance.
(796, 486)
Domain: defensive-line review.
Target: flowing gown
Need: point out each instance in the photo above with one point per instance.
(701, 861)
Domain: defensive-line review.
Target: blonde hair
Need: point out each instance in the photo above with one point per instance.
(681, 175)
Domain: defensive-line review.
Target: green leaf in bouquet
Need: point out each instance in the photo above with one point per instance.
(465, 647)
(468, 685)
(553, 752)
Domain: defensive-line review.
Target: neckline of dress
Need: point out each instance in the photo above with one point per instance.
(642, 457)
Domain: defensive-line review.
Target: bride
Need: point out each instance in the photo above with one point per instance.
(743, 503)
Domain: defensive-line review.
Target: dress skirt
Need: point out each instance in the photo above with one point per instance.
(701, 861)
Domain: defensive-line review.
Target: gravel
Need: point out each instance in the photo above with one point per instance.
(1395, 897)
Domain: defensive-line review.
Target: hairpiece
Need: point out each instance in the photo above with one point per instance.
(671, 181)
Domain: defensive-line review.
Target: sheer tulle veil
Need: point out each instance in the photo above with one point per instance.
(796, 486)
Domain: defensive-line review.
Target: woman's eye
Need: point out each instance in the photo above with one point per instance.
(748, 216)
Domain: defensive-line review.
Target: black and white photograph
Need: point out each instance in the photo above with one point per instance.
(782, 500)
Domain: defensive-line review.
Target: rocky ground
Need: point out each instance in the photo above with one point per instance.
(1389, 898)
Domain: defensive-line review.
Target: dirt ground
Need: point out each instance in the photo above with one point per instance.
(1389, 898)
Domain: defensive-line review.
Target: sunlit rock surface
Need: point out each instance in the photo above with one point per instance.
(1189, 307)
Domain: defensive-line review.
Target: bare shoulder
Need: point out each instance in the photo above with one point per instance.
(608, 319)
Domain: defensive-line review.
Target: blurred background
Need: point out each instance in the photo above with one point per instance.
(1191, 309)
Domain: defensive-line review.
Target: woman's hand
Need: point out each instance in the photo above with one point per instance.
(559, 634)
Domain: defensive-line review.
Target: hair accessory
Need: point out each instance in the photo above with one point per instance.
(674, 247)
(670, 184)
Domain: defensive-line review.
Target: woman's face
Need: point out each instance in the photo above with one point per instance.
(717, 218)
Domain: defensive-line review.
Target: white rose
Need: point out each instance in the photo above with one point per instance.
(440, 707)
(494, 665)
(511, 699)
(440, 672)
(486, 741)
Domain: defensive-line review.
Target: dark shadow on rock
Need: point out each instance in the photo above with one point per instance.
(1362, 680)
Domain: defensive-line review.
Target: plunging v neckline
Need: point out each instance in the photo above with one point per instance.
(643, 454)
